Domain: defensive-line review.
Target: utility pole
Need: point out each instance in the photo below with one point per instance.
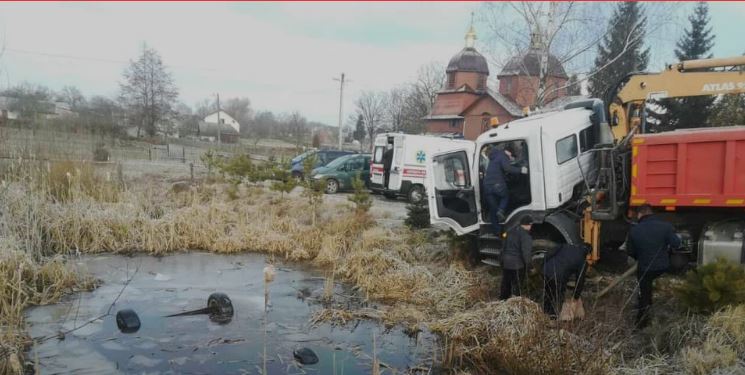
(341, 106)
(218, 120)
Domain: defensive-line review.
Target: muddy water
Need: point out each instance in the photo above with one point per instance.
(194, 344)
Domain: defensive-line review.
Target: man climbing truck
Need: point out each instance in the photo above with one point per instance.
(589, 164)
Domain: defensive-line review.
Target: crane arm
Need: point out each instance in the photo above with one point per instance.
(683, 79)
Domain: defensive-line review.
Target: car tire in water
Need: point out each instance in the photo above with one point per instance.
(416, 194)
(332, 186)
(221, 308)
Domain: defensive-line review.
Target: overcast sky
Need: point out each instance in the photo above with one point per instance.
(282, 56)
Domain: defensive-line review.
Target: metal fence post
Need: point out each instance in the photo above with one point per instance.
(183, 154)
(191, 171)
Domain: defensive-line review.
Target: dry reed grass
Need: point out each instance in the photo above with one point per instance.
(420, 281)
(25, 281)
(515, 337)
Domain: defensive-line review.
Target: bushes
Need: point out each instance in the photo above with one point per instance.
(418, 215)
(100, 153)
(713, 286)
(360, 197)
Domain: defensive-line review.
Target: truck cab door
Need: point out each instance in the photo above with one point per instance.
(450, 190)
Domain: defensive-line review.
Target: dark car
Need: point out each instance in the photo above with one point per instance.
(323, 157)
(340, 172)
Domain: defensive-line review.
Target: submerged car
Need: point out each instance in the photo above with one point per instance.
(323, 157)
(340, 172)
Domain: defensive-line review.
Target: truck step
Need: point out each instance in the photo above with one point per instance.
(491, 262)
(490, 252)
(489, 236)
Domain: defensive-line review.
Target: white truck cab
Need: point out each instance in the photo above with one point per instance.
(398, 166)
(556, 147)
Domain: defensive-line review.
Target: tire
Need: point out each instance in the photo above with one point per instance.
(127, 321)
(332, 186)
(221, 308)
(540, 247)
(297, 175)
(416, 194)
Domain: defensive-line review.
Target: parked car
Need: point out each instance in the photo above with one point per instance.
(323, 157)
(340, 172)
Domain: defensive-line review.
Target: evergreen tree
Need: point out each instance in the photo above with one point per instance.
(359, 131)
(696, 43)
(728, 110)
(622, 49)
(574, 87)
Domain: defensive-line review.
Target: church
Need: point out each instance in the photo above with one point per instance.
(466, 104)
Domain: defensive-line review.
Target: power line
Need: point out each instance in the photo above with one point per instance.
(96, 59)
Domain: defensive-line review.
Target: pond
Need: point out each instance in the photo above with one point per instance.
(195, 344)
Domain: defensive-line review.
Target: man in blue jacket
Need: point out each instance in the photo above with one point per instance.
(559, 264)
(650, 241)
(495, 185)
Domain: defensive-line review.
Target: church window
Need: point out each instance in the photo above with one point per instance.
(451, 80)
(482, 83)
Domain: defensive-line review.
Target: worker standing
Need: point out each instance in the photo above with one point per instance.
(516, 256)
(559, 264)
(387, 163)
(495, 184)
(650, 241)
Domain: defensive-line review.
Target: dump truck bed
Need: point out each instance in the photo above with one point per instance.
(689, 168)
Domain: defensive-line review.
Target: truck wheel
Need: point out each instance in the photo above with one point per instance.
(297, 175)
(416, 194)
(332, 186)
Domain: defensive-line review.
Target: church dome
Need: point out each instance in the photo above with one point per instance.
(529, 65)
(468, 60)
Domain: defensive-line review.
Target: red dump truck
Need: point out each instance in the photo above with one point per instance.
(698, 177)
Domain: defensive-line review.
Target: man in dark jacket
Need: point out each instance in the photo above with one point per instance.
(495, 185)
(518, 248)
(559, 264)
(650, 241)
(387, 163)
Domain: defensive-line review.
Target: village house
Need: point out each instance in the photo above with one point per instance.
(229, 128)
(466, 104)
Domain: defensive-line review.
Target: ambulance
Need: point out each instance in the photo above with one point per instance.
(404, 173)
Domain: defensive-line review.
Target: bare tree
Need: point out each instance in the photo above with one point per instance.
(371, 107)
(262, 125)
(73, 97)
(420, 96)
(395, 108)
(29, 101)
(297, 126)
(148, 92)
(205, 107)
(570, 31)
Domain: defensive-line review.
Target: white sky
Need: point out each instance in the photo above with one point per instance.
(282, 56)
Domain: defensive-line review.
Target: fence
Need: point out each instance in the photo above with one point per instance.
(58, 145)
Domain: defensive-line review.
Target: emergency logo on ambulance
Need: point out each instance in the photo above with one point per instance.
(421, 156)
